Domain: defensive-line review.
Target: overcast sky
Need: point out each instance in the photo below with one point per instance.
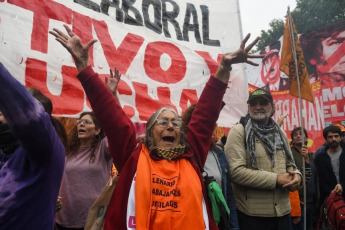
(257, 14)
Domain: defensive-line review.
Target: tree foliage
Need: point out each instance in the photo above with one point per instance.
(308, 15)
(271, 35)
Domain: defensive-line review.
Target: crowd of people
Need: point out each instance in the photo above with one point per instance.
(47, 182)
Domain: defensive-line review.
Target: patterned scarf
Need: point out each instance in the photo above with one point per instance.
(271, 137)
(171, 154)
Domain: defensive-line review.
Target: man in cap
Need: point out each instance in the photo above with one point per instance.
(262, 167)
(270, 72)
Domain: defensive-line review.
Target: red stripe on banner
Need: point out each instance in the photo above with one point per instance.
(71, 99)
(152, 62)
(120, 57)
(43, 11)
(211, 64)
(188, 95)
(146, 105)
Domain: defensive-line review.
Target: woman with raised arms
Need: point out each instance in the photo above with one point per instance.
(160, 185)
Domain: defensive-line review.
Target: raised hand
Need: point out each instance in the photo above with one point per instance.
(242, 54)
(114, 80)
(74, 45)
(239, 56)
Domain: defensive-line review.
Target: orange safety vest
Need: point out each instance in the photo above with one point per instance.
(168, 195)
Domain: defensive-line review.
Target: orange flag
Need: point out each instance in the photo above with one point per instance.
(287, 63)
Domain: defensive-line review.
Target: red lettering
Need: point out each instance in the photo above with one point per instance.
(43, 11)
(153, 69)
(212, 65)
(129, 111)
(146, 105)
(71, 99)
(123, 56)
(188, 95)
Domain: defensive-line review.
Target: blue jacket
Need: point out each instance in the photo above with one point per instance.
(226, 187)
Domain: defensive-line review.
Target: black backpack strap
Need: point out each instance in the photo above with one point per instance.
(244, 121)
(204, 174)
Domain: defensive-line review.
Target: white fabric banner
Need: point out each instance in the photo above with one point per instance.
(165, 49)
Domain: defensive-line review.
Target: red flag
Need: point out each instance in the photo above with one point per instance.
(287, 63)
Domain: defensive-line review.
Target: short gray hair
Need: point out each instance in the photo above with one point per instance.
(149, 126)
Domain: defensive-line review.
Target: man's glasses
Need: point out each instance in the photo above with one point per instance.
(165, 122)
(86, 121)
(260, 102)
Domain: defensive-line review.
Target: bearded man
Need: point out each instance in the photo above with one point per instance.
(262, 168)
(330, 163)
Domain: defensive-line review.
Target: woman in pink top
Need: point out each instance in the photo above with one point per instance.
(87, 170)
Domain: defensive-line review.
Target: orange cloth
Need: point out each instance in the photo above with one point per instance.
(295, 204)
(168, 195)
(113, 172)
(287, 63)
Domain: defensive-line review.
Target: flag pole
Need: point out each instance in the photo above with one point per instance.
(301, 116)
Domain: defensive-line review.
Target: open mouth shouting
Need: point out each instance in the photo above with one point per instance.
(168, 139)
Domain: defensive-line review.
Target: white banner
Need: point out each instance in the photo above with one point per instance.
(165, 49)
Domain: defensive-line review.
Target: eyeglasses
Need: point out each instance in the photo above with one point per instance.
(165, 122)
(86, 121)
(260, 102)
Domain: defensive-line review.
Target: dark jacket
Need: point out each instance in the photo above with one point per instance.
(327, 177)
(311, 176)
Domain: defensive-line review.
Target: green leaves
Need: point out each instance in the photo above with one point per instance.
(308, 15)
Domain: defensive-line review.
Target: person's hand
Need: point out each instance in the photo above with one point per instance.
(281, 119)
(296, 220)
(113, 81)
(304, 153)
(295, 182)
(283, 179)
(338, 189)
(239, 56)
(74, 45)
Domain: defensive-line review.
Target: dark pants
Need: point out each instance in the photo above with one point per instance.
(264, 223)
(310, 215)
(59, 227)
